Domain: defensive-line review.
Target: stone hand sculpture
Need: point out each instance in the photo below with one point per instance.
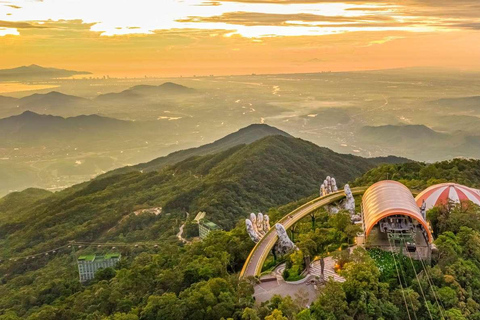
(251, 231)
(260, 224)
(257, 226)
(253, 219)
(349, 203)
(266, 223)
(333, 209)
(323, 190)
(284, 244)
(328, 186)
(334, 185)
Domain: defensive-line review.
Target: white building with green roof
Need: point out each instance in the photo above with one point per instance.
(88, 265)
(205, 227)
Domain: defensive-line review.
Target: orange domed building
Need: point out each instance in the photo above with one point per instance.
(392, 220)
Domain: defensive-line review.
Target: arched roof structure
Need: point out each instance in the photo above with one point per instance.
(441, 193)
(387, 198)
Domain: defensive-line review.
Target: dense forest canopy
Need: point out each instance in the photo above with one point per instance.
(419, 175)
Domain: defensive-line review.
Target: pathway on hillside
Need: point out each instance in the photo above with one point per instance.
(180, 232)
(253, 265)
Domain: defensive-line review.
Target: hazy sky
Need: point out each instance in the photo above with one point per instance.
(185, 37)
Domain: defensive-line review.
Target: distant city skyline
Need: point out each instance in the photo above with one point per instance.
(199, 37)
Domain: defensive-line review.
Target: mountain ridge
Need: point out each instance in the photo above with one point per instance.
(142, 91)
(227, 185)
(37, 72)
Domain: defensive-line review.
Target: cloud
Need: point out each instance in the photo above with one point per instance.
(251, 18)
(440, 8)
(265, 19)
(18, 25)
(471, 26)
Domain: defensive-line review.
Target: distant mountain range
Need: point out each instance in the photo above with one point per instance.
(400, 134)
(48, 103)
(61, 104)
(460, 104)
(142, 91)
(30, 128)
(53, 102)
(36, 72)
(421, 142)
(101, 141)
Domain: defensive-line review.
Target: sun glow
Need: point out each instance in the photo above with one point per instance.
(121, 17)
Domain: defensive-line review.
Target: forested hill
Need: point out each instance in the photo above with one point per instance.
(245, 135)
(228, 186)
(418, 175)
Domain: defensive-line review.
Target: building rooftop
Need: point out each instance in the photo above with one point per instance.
(94, 257)
(387, 198)
(210, 225)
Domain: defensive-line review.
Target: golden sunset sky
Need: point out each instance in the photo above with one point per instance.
(186, 37)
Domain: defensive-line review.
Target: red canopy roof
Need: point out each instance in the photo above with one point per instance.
(441, 193)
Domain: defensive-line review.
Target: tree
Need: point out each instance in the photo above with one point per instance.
(9, 316)
(123, 316)
(210, 299)
(448, 248)
(250, 314)
(320, 243)
(331, 303)
(454, 314)
(191, 229)
(105, 274)
(304, 315)
(361, 274)
(288, 306)
(166, 306)
(276, 315)
(448, 297)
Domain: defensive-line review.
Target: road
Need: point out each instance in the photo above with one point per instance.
(253, 264)
(180, 232)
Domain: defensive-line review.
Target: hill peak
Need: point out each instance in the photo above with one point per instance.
(263, 126)
(34, 66)
(167, 87)
(53, 94)
(29, 113)
(245, 135)
(171, 85)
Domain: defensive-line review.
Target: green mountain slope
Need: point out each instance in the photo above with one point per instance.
(227, 185)
(23, 199)
(245, 135)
